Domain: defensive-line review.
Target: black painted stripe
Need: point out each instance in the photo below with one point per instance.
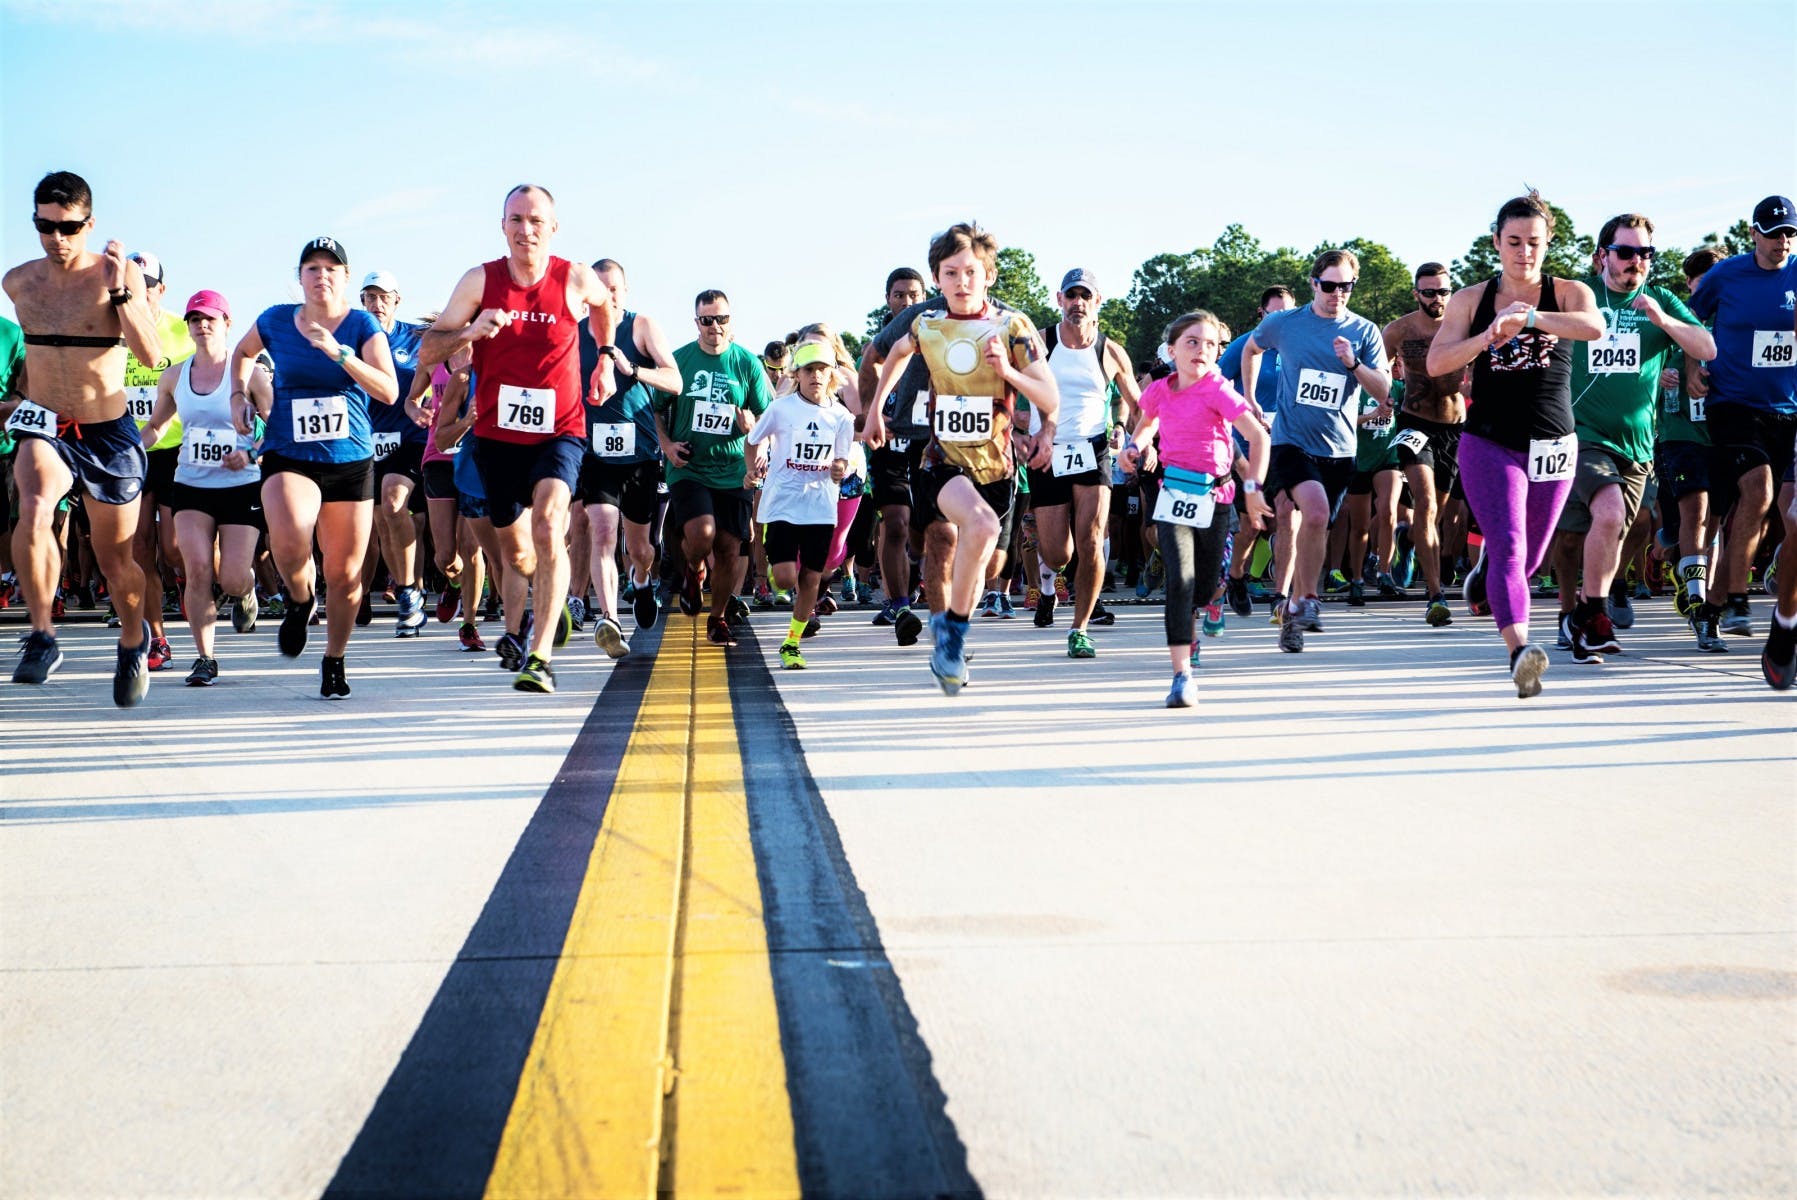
(868, 1114)
(435, 1128)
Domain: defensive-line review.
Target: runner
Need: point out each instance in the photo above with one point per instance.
(330, 361)
(1192, 413)
(722, 389)
(1072, 498)
(79, 311)
(217, 490)
(1615, 381)
(1518, 452)
(1751, 302)
(1327, 354)
(620, 473)
(1373, 495)
(1276, 298)
(475, 541)
(891, 466)
(520, 315)
(1428, 427)
(811, 435)
(399, 440)
(979, 360)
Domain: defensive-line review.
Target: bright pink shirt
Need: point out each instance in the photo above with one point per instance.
(1194, 424)
(439, 384)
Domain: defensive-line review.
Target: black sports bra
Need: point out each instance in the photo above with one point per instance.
(73, 339)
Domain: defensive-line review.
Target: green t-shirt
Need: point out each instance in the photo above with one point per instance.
(1372, 441)
(12, 357)
(1682, 416)
(732, 380)
(1616, 379)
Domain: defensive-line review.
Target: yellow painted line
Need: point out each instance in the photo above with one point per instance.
(672, 868)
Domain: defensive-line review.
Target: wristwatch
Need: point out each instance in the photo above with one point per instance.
(1249, 487)
(120, 296)
(344, 354)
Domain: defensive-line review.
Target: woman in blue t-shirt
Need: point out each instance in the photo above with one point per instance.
(318, 451)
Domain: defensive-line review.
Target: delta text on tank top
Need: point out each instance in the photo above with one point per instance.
(1084, 392)
(528, 374)
(1522, 388)
(207, 434)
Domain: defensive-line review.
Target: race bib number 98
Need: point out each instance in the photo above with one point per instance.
(1774, 348)
(1552, 459)
(962, 419)
(1320, 389)
(526, 410)
(714, 418)
(614, 441)
(320, 418)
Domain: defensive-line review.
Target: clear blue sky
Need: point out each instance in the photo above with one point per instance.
(792, 154)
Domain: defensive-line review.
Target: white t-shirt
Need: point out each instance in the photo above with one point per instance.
(806, 438)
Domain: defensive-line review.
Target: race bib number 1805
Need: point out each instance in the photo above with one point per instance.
(962, 419)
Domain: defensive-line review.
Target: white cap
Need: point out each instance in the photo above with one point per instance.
(150, 265)
(382, 280)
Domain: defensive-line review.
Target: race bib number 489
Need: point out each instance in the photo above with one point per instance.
(1774, 348)
(526, 410)
(962, 419)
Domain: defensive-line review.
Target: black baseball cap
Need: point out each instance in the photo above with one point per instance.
(325, 245)
(1775, 212)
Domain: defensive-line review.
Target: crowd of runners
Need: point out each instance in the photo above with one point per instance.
(538, 453)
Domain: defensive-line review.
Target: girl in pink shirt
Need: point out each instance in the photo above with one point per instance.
(1193, 411)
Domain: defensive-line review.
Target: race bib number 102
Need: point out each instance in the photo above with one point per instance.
(1552, 459)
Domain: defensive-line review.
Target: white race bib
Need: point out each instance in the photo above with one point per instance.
(526, 410)
(1321, 389)
(1412, 440)
(964, 419)
(920, 409)
(1184, 508)
(810, 452)
(385, 444)
(1617, 354)
(206, 447)
(320, 418)
(615, 441)
(140, 402)
(32, 418)
(1552, 459)
(1697, 417)
(1074, 458)
(714, 418)
(898, 445)
(1774, 348)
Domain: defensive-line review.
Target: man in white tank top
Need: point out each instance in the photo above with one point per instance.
(1072, 498)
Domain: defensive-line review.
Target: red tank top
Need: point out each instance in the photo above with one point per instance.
(527, 377)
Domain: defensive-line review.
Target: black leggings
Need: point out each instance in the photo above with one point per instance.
(1193, 558)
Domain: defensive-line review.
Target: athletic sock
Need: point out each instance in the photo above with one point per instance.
(1784, 622)
(958, 618)
(1045, 575)
(1737, 599)
(795, 629)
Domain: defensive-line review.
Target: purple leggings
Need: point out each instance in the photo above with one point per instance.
(1516, 517)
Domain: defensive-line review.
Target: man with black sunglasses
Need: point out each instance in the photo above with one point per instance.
(80, 312)
(1427, 435)
(1615, 382)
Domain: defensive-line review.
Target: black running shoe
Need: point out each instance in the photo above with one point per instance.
(205, 670)
(736, 612)
(690, 598)
(643, 606)
(1240, 602)
(1045, 609)
(1102, 615)
(906, 627)
(292, 637)
(131, 681)
(331, 683)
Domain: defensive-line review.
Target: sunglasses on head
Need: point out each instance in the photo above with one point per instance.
(1330, 285)
(1432, 293)
(708, 322)
(66, 228)
(1628, 253)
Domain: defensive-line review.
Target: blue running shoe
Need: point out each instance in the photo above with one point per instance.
(948, 662)
(1183, 694)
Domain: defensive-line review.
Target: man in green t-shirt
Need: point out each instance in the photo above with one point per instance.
(12, 378)
(1615, 384)
(722, 390)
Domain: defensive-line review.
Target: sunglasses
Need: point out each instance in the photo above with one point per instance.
(66, 228)
(708, 322)
(1330, 285)
(1628, 253)
(1431, 293)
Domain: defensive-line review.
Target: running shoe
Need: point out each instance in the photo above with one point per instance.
(1688, 589)
(948, 662)
(1526, 667)
(1438, 613)
(205, 670)
(1403, 567)
(643, 607)
(1102, 615)
(1183, 693)
(887, 612)
(736, 612)
(717, 632)
(577, 613)
(1213, 620)
(1004, 607)
(131, 682)
(1061, 591)
(470, 637)
(782, 599)
(1564, 639)
(365, 611)
(1045, 610)
(907, 626)
(411, 613)
(690, 602)
(1369, 569)
(1079, 644)
(989, 606)
(790, 658)
(564, 625)
(1709, 637)
(1157, 574)
(1778, 661)
(1310, 614)
(1335, 582)
(1141, 589)
(848, 589)
(1291, 637)
(865, 594)
(244, 611)
(511, 652)
(609, 637)
(1236, 592)
(537, 676)
(448, 602)
(1032, 596)
(162, 655)
(1738, 619)
(1277, 601)
(762, 596)
(1618, 608)
(57, 611)
(491, 611)
(1356, 594)
(1389, 589)
(38, 658)
(1473, 590)
(1193, 660)
(811, 627)
(274, 606)
(1598, 635)
(826, 604)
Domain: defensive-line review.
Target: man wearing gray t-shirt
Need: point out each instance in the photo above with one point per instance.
(1326, 355)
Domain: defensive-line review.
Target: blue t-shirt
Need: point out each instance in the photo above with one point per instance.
(1266, 384)
(630, 404)
(1751, 311)
(1319, 399)
(320, 414)
(467, 473)
(403, 340)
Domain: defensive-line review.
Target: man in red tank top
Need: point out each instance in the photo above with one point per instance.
(521, 314)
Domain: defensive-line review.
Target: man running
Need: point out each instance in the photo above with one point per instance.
(399, 437)
(79, 311)
(1265, 400)
(891, 466)
(1327, 354)
(1072, 498)
(520, 314)
(980, 360)
(1428, 427)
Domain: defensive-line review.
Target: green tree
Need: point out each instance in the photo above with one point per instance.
(1116, 320)
(1161, 289)
(1021, 287)
(1738, 239)
(1568, 254)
